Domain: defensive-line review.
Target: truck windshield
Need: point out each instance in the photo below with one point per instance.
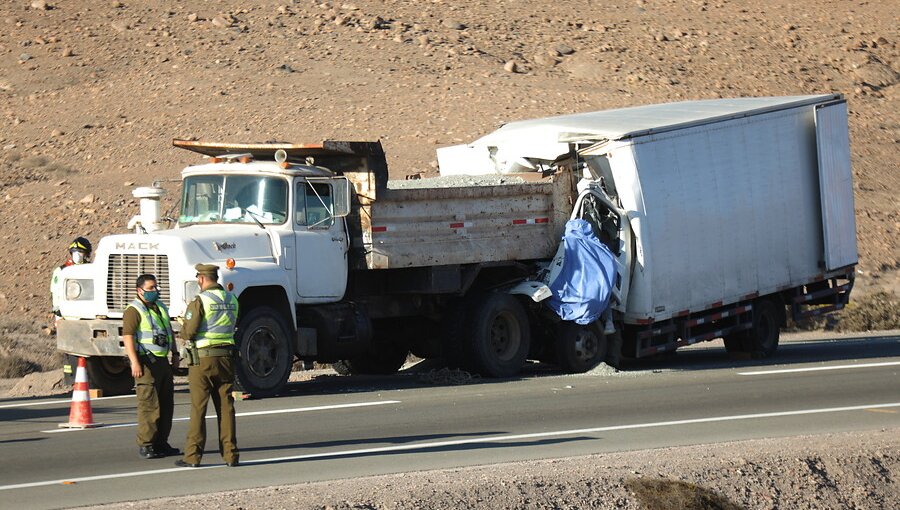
(234, 199)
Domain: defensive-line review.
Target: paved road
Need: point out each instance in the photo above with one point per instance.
(338, 427)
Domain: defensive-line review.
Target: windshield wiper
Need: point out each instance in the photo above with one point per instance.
(254, 218)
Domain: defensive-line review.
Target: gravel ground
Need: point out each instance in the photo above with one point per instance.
(859, 470)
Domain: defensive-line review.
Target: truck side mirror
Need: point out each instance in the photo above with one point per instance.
(341, 197)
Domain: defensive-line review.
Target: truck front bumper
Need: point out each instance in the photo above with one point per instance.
(98, 337)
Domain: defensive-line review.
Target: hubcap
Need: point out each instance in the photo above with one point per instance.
(506, 336)
(262, 352)
(585, 345)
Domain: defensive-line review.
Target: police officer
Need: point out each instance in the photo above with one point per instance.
(79, 253)
(208, 329)
(148, 337)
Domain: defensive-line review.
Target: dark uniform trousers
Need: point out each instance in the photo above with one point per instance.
(155, 403)
(212, 378)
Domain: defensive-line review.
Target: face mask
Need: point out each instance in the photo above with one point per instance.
(151, 296)
(77, 257)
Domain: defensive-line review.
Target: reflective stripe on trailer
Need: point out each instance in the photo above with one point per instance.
(530, 221)
(720, 315)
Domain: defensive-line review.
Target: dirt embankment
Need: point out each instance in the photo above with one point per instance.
(859, 470)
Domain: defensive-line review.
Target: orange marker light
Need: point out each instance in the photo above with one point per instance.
(229, 286)
(229, 263)
(284, 164)
(215, 160)
(245, 159)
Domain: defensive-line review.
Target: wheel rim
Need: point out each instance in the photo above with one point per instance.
(585, 345)
(262, 352)
(506, 336)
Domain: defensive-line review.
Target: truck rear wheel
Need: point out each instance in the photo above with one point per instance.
(498, 336)
(579, 348)
(761, 340)
(109, 374)
(266, 353)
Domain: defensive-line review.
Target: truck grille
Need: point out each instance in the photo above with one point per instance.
(124, 270)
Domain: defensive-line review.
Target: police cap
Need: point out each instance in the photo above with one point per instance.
(208, 270)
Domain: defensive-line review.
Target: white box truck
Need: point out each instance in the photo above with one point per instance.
(723, 216)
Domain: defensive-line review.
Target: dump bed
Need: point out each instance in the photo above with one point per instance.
(464, 220)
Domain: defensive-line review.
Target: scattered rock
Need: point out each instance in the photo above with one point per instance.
(222, 21)
(453, 25)
(68, 52)
(511, 66)
(564, 49)
(120, 26)
(24, 57)
(40, 5)
(88, 199)
(192, 17)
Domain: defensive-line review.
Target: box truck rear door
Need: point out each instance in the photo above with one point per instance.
(836, 185)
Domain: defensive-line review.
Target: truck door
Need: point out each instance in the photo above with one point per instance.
(321, 242)
(836, 185)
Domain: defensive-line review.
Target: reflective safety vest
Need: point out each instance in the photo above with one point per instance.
(153, 324)
(220, 311)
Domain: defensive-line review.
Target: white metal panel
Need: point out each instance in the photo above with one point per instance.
(836, 185)
(728, 210)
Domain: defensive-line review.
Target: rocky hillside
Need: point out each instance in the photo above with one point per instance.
(92, 92)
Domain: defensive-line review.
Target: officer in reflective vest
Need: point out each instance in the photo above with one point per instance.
(208, 329)
(148, 338)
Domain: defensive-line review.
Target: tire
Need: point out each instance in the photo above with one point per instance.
(266, 352)
(110, 374)
(579, 348)
(380, 360)
(498, 336)
(761, 340)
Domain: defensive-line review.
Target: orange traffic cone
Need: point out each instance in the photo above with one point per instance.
(80, 415)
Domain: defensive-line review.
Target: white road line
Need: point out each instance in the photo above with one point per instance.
(254, 413)
(815, 369)
(67, 401)
(458, 442)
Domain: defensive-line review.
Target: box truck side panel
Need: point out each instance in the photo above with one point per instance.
(836, 186)
(730, 208)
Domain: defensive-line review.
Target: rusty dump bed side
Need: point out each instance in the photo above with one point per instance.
(521, 218)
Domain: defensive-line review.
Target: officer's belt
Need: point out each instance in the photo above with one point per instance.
(212, 352)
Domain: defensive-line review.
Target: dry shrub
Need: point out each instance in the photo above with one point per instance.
(873, 312)
(661, 494)
(13, 366)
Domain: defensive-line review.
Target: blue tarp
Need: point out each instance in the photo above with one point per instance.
(582, 288)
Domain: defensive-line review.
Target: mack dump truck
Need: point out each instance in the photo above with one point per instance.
(724, 216)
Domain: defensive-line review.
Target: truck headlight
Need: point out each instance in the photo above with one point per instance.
(79, 290)
(191, 289)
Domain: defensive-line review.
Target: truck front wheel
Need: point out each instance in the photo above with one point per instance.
(499, 336)
(109, 374)
(266, 355)
(579, 348)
